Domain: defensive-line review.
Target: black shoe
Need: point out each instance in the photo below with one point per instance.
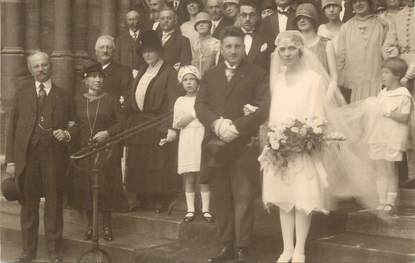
(242, 255)
(225, 254)
(54, 258)
(25, 258)
(108, 233)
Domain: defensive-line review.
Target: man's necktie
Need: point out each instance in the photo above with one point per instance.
(135, 35)
(213, 28)
(229, 72)
(164, 38)
(41, 95)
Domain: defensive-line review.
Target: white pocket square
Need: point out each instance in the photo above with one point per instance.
(264, 47)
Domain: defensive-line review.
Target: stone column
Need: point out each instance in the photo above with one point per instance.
(123, 7)
(79, 38)
(13, 62)
(32, 25)
(62, 71)
(108, 18)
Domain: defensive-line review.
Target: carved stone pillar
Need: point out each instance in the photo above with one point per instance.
(13, 62)
(124, 6)
(32, 25)
(79, 38)
(62, 56)
(108, 18)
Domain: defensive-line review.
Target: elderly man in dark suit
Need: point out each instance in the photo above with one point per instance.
(281, 20)
(117, 76)
(35, 155)
(219, 21)
(177, 50)
(257, 49)
(116, 82)
(128, 42)
(232, 103)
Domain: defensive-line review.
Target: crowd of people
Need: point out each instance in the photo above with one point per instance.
(208, 78)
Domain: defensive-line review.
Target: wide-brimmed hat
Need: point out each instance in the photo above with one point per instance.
(94, 68)
(325, 3)
(9, 189)
(151, 40)
(202, 17)
(307, 10)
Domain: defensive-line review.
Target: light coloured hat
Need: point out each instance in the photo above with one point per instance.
(307, 10)
(325, 3)
(202, 17)
(236, 2)
(189, 69)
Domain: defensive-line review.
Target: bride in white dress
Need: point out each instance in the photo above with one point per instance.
(298, 90)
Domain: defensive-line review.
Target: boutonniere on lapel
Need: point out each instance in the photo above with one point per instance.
(263, 47)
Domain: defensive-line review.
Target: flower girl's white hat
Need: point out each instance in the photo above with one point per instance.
(189, 69)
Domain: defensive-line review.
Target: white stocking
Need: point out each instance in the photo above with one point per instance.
(302, 227)
(287, 221)
(381, 181)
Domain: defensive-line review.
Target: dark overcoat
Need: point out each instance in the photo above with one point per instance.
(23, 120)
(177, 49)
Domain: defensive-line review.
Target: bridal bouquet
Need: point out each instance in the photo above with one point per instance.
(296, 136)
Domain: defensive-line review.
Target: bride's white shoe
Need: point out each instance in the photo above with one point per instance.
(298, 258)
(285, 258)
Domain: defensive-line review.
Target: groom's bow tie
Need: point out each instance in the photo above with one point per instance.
(284, 11)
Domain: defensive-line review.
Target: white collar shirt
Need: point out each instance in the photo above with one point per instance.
(134, 34)
(247, 40)
(215, 24)
(47, 86)
(282, 18)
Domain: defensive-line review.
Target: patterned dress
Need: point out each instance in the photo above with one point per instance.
(359, 56)
(205, 52)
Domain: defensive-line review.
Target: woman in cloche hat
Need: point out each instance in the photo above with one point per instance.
(97, 118)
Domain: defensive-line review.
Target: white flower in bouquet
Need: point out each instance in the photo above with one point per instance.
(295, 129)
(275, 145)
(303, 130)
(317, 130)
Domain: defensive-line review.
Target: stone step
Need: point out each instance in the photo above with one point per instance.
(399, 225)
(123, 248)
(136, 223)
(128, 248)
(361, 248)
(171, 226)
(407, 197)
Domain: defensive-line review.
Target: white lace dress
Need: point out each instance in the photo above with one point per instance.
(301, 185)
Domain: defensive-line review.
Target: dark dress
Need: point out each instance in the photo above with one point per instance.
(105, 113)
(151, 170)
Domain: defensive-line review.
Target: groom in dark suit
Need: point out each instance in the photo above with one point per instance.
(228, 158)
(36, 155)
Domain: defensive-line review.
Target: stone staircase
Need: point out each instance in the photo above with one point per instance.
(370, 238)
(158, 238)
